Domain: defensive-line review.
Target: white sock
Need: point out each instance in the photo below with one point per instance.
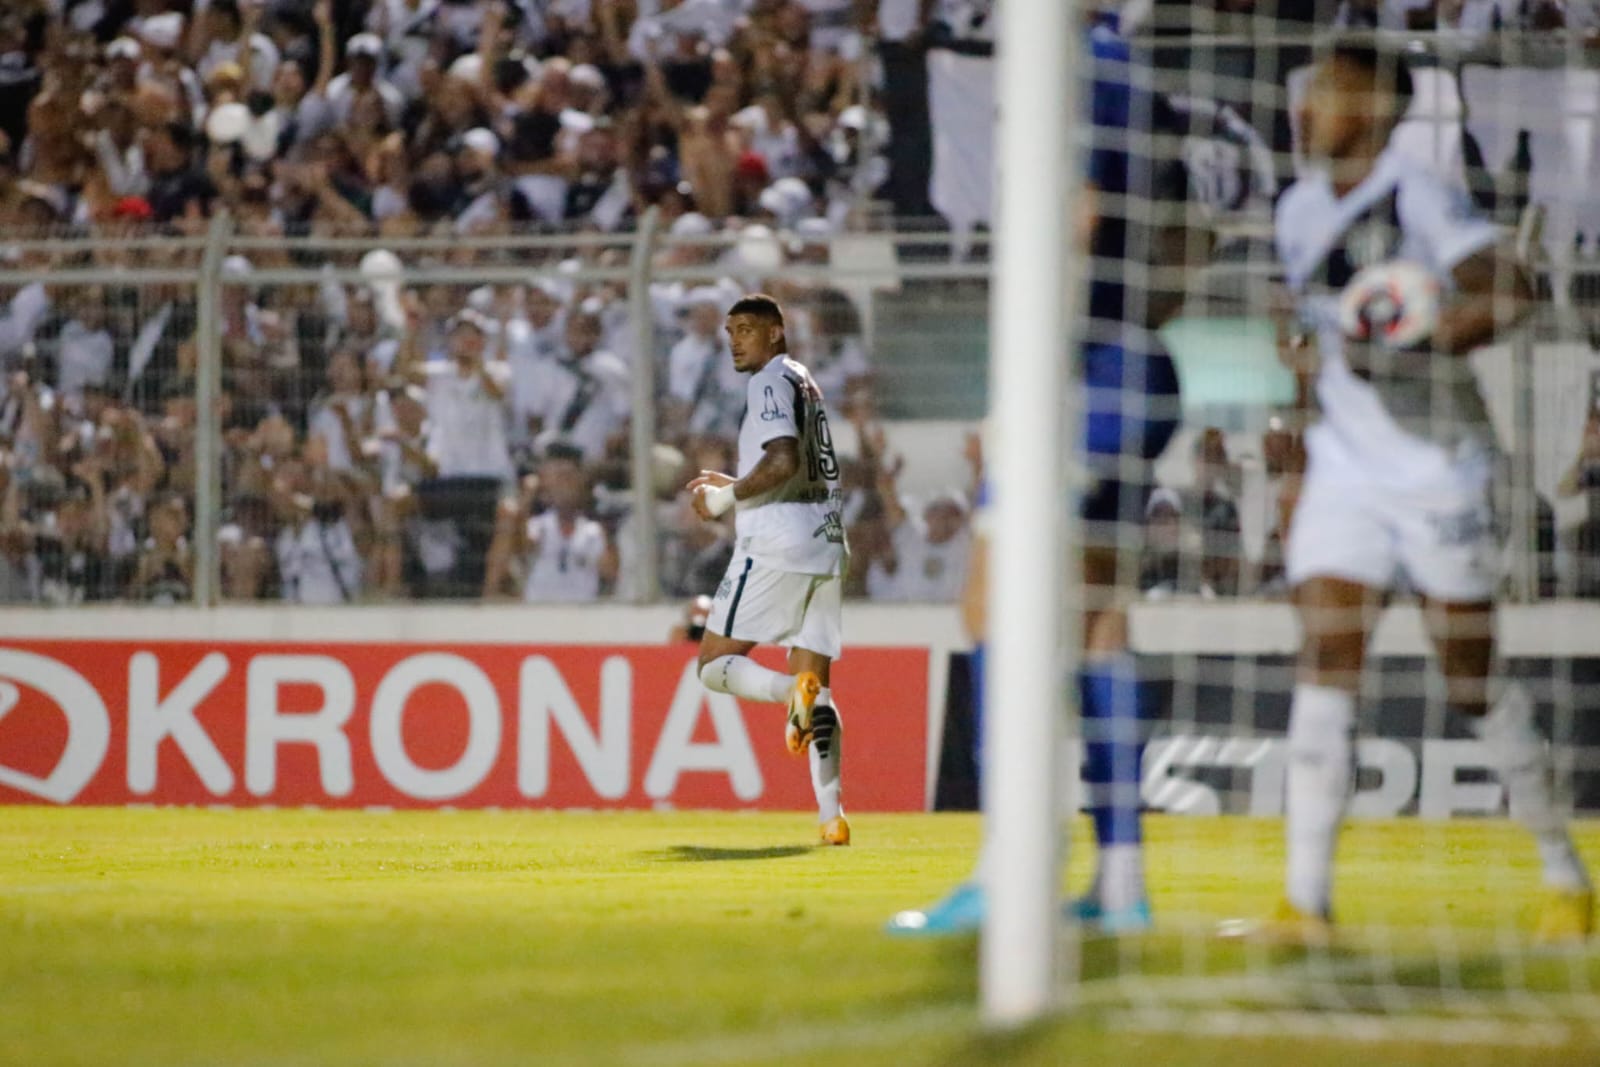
(1321, 769)
(827, 737)
(1522, 760)
(744, 677)
(1119, 877)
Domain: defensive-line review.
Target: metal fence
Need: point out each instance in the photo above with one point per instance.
(321, 420)
(324, 420)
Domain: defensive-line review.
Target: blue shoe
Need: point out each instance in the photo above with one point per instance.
(961, 912)
(1134, 919)
(1085, 910)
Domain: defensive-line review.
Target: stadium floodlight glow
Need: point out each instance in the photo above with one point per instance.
(1036, 190)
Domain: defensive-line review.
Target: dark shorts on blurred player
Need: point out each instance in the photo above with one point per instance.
(1133, 412)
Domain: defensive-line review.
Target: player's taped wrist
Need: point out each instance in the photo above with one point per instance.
(718, 498)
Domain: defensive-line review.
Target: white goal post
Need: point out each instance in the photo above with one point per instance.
(1030, 431)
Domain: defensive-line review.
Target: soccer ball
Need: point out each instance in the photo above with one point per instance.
(1394, 304)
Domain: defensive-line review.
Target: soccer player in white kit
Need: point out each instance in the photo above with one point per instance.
(784, 585)
(1398, 478)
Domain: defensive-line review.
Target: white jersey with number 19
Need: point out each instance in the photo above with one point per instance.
(798, 526)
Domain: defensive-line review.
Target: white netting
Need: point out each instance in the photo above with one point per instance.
(1436, 891)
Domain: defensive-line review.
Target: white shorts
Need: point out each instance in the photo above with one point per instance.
(772, 607)
(1440, 536)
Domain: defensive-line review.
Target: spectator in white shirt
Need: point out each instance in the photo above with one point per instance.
(564, 554)
(706, 394)
(710, 21)
(534, 340)
(467, 394)
(828, 333)
(342, 415)
(362, 54)
(118, 151)
(318, 562)
(84, 350)
(467, 403)
(925, 559)
(231, 37)
(24, 313)
(584, 395)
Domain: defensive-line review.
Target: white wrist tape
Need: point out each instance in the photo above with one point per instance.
(719, 498)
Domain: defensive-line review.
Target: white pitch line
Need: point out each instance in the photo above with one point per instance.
(1358, 1027)
(812, 1038)
(1130, 1003)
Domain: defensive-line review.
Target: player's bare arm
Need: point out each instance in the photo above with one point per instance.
(779, 461)
(1493, 294)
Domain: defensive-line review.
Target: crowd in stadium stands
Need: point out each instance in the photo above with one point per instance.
(429, 440)
(1582, 478)
(1472, 19)
(432, 440)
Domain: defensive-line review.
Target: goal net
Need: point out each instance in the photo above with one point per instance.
(1436, 890)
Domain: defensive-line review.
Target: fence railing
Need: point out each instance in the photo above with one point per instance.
(297, 395)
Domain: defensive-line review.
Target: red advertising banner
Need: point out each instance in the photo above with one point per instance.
(406, 725)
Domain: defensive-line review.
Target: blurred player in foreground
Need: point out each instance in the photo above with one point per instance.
(784, 585)
(1399, 468)
(1133, 411)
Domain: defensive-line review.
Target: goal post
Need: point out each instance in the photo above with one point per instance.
(1439, 885)
(1032, 429)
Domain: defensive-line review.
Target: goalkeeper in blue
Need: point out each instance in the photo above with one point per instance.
(1136, 215)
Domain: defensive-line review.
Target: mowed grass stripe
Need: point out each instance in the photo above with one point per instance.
(286, 937)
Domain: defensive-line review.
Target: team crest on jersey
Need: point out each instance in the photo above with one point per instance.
(1371, 238)
(1369, 242)
(831, 530)
(770, 411)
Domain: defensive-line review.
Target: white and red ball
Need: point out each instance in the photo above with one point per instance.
(1394, 304)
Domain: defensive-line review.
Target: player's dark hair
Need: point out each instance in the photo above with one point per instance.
(761, 306)
(1386, 65)
(765, 308)
(564, 450)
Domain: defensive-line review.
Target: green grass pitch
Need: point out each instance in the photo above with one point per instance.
(190, 937)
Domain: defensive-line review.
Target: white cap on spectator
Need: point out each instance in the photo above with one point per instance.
(853, 117)
(587, 75)
(124, 48)
(162, 31)
(753, 118)
(470, 317)
(227, 123)
(260, 139)
(815, 230)
(237, 267)
(705, 294)
(759, 250)
(788, 198)
(483, 140)
(469, 68)
(575, 121)
(481, 299)
(364, 44)
(691, 224)
(551, 288)
(1163, 497)
(771, 200)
